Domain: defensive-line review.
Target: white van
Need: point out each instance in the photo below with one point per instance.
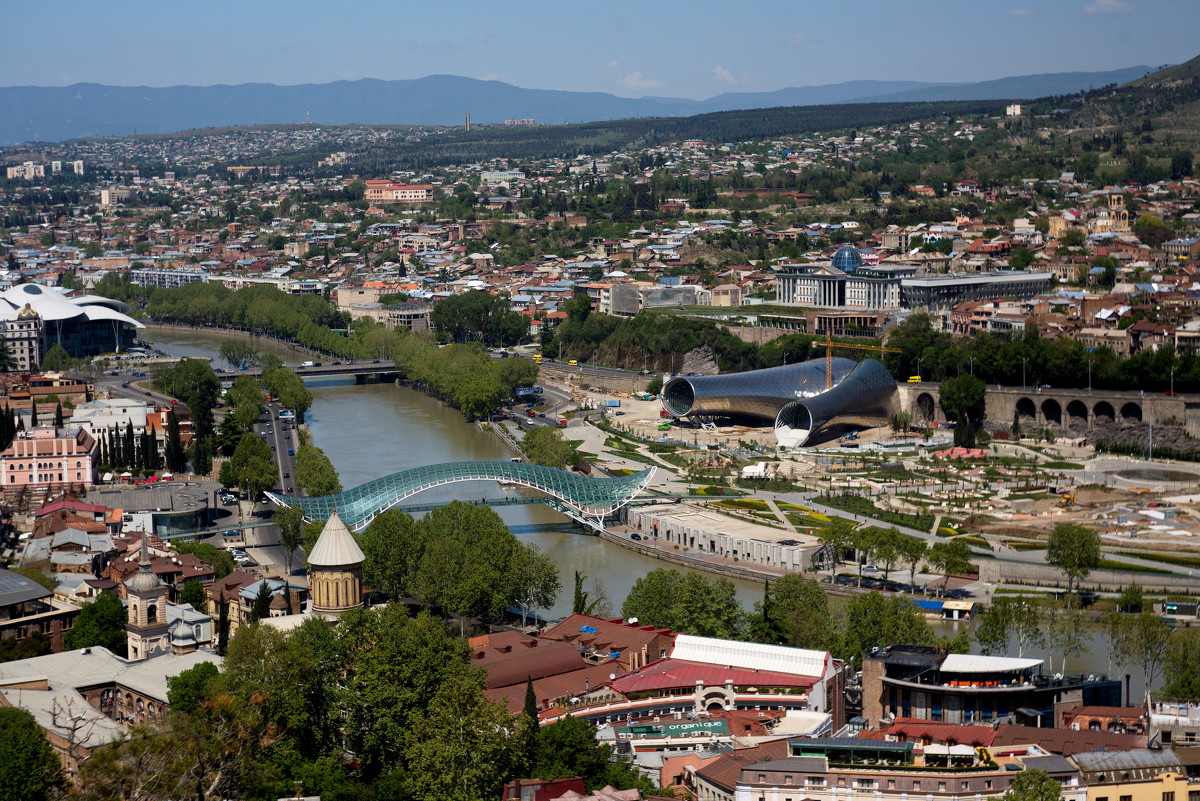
(308, 364)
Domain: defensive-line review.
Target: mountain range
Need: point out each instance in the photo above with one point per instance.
(57, 113)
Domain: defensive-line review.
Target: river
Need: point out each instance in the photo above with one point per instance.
(371, 430)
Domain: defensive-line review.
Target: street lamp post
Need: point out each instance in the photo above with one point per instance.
(971, 364)
(919, 367)
(1172, 380)
(1024, 359)
(1089, 375)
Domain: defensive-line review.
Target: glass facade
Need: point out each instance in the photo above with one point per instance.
(793, 398)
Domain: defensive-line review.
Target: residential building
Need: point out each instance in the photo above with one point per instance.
(86, 698)
(167, 277)
(27, 609)
(49, 458)
(24, 334)
(27, 171)
(98, 416)
(384, 191)
(826, 769)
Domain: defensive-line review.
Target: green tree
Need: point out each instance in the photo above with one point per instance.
(188, 691)
(173, 452)
(239, 353)
(1141, 640)
(963, 398)
(949, 558)
(652, 598)
(290, 522)
(454, 751)
(1131, 599)
(803, 610)
(193, 593)
(479, 317)
(533, 579)
(1181, 667)
(261, 608)
(102, 623)
(1034, 785)
(912, 551)
(393, 544)
(58, 415)
(29, 768)
(545, 446)
(1008, 617)
(1075, 550)
(314, 474)
(872, 621)
(837, 539)
(57, 359)
(219, 558)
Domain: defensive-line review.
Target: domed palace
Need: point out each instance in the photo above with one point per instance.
(844, 282)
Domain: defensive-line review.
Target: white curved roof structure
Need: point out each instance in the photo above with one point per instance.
(52, 305)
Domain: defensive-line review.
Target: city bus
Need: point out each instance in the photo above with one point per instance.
(537, 358)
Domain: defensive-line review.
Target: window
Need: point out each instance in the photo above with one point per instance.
(762, 777)
(1126, 798)
(1193, 795)
(819, 781)
(916, 784)
(987, 785)
(787, 779)
(1168, 797)
(941, 787)
(891, 785)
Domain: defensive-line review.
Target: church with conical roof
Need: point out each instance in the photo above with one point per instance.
(146, 627)
(335, 570)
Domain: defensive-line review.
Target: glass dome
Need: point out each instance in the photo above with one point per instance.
(847, 259)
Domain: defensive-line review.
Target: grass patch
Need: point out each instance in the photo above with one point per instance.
(711, 491)
(784, 505)
(1113, 564)
(861, 506)
(744, 503)
(1060, 466)
(1025, 546)
(1169, 559)
(976, 541)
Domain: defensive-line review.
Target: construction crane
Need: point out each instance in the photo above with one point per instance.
(829, 345)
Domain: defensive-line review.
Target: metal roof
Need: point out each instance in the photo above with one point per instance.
(973, 663)
(752, 656)
(336, 546)
(15, 589)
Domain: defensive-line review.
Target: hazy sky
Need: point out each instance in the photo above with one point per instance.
(682, 48)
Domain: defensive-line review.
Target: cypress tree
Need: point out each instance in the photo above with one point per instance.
(173, 447)
(130, 455)
(58, 415)
(262, 603)
(33, 414)
(222, 625)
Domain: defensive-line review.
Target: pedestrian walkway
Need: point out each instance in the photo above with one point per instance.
(783, 518)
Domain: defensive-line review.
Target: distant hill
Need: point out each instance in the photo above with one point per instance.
(1179, 72)
(35, 113)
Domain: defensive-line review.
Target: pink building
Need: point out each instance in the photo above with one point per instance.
(49, 457)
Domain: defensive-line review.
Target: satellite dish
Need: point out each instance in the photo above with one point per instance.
(612, 676)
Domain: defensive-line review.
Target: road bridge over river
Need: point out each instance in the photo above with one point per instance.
(360, 371)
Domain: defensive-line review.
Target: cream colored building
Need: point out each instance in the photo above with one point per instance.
(335, 570)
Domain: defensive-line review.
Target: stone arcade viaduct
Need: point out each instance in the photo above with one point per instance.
(1076, 410)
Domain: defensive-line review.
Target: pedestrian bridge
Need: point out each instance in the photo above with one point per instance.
(588, 500)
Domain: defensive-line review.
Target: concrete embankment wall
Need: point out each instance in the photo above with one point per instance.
(603, 381)
(997, 571)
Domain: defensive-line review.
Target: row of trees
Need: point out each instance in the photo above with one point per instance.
(459, 558)
(466, 376)
(128, 450)
(795, 611)
(399, 693)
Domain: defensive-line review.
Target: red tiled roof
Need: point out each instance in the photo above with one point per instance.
(549, 689)
(916, 729)
(78, 506)
(672, 673)
(1067, 741)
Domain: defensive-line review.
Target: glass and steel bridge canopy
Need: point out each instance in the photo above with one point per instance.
(588, 500)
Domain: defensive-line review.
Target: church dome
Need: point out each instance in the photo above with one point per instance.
(144, 581)
(182, 633)
(847, 259)
(27, 313)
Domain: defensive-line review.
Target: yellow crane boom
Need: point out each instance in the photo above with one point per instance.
(829, 345)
